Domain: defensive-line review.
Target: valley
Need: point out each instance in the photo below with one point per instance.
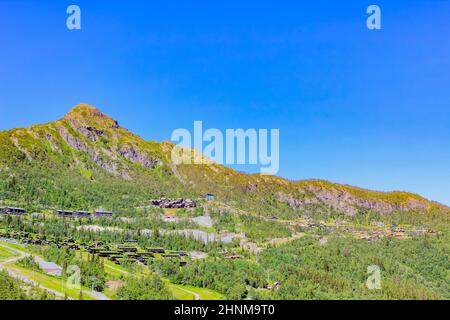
(85, 199)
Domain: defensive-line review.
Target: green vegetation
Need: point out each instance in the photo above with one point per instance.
(29, 263)
(10, 288)
(50, 282)
(92, 268)
(292, 240)
(225, 276)
(13, 289)
(6, 254)
(258, 229)
(410, 269)
(224, 221)
(148, 288)
(205, 294)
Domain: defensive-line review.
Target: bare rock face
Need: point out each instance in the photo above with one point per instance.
(344, 201)
(337, 200)
(134, 155)
(102, 135)
(416, 204)
(96, 155)
(251, 187)
(293, 203)
(91, 133)
(71, 140)
(173, 203)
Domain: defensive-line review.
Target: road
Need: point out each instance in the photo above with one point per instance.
(97, 295)
(13, 273)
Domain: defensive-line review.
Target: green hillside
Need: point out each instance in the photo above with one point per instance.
(87, 160)
(289, 239)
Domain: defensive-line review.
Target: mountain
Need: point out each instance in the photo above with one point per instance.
(87, 160)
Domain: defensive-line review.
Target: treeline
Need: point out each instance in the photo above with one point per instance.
(148, 288)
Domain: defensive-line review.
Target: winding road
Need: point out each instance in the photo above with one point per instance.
(13, 273)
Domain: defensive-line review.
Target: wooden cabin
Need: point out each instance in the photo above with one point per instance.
(105, 253)
(127, 249)
(103, 214)
(13, 211)
(180, 253)
(234, 257)
(170, 256)
(83, 214)
(156, 250)
(64, 213)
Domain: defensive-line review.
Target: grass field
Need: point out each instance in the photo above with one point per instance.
(15, 246)
(114, 270)
(6, 254)
(49, 282)
(205, 294)
(180, 294)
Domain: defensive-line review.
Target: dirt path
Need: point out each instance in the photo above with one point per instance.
(196, 295)
(12, 260)
(280, 241)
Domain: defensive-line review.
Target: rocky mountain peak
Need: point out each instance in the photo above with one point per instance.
(89, 116)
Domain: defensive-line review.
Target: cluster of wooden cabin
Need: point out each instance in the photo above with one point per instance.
(130, 253)
(26, 237)
(60, 213)
(12, 211)
(127, 252)
(83, 214)
(231, 255)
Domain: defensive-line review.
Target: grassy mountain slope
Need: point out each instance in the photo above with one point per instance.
(88, 160)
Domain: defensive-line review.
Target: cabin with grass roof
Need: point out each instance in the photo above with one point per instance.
(103, 214)
(12, 211)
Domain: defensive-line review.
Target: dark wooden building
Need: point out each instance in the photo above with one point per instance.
(83, 214)
(103, 214)
(12, 211)
(156, 250)
(64, 213)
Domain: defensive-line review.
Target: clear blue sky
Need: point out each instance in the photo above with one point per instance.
(367, 108)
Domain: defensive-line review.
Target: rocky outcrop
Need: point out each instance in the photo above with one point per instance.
(293, 203)
(134, 155)
(346, 202)
(251, 187)
(106, 162)
(71, 140)
(91, 133)
(173, 203)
